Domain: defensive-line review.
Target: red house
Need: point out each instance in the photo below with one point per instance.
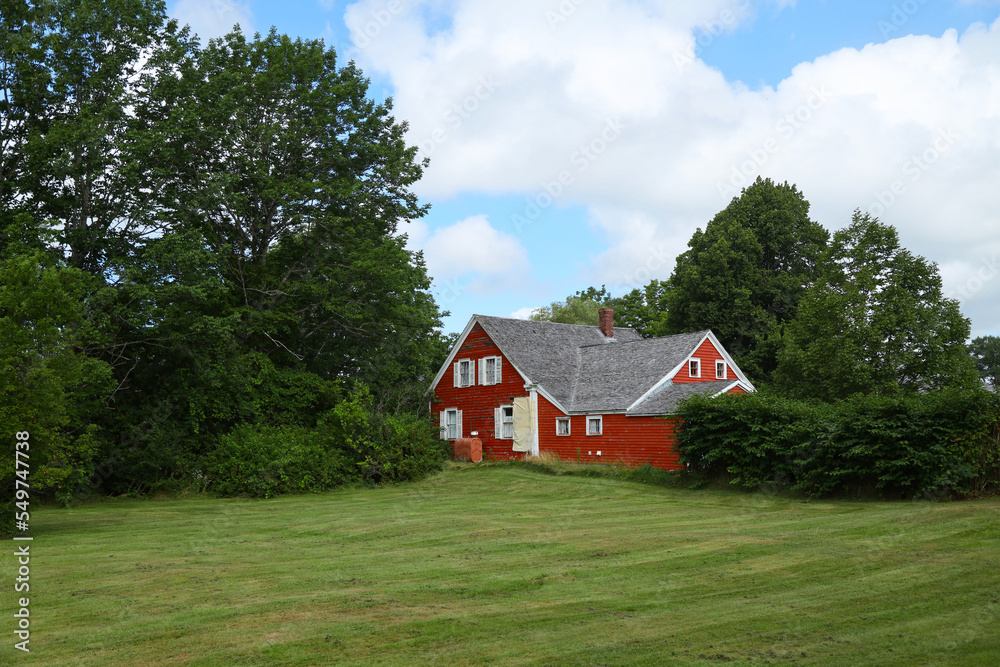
(583, 393)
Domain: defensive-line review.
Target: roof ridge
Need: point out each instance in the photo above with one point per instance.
(651, 338)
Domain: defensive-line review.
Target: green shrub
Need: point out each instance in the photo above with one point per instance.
(906, 446)
(383, 447)
(352, 444)
(264, 461)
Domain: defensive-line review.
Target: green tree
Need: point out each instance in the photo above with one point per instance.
(18, 98)
(280, 276)
(297, 181)
(985, 351)
(49, 385)
(574, 310)
(644, 310)
(744, 274)
(875, 322)
(76, 164)
(225, 218)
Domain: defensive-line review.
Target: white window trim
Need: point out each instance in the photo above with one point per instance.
(497, 373)
(600, 421)
(498, 423)
(698, 361)
(458, 373)
(721, 364)
(445, 435)
(569, 426)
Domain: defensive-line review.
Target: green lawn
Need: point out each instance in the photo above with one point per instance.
(504, 565)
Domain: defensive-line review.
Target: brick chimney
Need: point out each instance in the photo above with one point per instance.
(606, 321)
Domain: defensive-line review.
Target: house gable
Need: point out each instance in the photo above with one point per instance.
(474, 349)
(478, 403)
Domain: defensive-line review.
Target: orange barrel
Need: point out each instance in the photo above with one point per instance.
(467, 449)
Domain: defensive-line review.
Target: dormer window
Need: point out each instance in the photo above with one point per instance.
(694, 368)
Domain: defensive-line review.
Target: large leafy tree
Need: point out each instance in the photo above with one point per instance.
(280, 275)
(744, 274)
(985, 351)
(875, 322)
(77, 65)
(226, 217)
(296, 181)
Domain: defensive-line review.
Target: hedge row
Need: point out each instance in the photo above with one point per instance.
(927, 445)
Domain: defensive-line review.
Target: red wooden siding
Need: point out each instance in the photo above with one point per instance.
(708, 355)
(629, 440)
(478, 402)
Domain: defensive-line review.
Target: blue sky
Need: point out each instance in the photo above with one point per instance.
(581, 142)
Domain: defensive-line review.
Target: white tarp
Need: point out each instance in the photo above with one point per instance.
(524, 424)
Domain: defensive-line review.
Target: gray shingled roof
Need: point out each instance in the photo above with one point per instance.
(586, 372)
(665, 399)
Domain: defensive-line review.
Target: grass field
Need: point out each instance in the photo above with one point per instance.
(504, 565)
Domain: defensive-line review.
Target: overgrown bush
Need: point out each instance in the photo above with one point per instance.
(904, 446)
(264, 461)
(383, 447)
(353, 444)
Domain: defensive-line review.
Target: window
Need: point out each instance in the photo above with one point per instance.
(562, 426)
(694, 368)
(720, 370)
(489, 370)
(507, 422)
(595, 425)
(503, 422)
(451, 424)
(465, 373)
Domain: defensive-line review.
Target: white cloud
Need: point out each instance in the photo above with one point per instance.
(907, 129)
(470, 255)
(213, 18)
(523, 313)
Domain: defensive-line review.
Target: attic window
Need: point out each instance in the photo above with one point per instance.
(694, 368)
(489, 371)
(595, 425)
(720, 370)
(465, 373)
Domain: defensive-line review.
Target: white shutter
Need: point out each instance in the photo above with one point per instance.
(496, 377)
(472, 373)
(482, 371)
(458, 378)
(497, 423)
(444, 425)
(459, 427)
